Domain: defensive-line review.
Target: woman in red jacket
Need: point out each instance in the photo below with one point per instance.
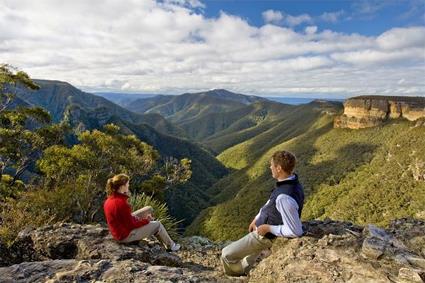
(126, 226)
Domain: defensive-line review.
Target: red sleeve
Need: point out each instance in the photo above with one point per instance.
(128, 219)
(139, 223)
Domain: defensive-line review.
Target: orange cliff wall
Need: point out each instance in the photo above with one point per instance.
(370, 111)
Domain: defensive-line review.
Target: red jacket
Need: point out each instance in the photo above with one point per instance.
(119, 218)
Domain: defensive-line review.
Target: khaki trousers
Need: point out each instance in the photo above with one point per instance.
(154, 228)
(239, 257)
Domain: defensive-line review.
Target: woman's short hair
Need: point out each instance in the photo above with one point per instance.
(114, 183)
(285, 159)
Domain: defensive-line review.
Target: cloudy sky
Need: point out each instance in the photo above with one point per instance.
(287, 48)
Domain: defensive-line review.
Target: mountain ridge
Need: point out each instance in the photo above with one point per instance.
(179, 108)
(57, 96)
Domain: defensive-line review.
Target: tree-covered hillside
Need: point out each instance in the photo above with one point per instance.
(366, 176)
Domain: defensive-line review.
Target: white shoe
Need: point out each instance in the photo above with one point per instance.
(175, 247)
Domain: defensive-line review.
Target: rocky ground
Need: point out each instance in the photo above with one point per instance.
(329, 252)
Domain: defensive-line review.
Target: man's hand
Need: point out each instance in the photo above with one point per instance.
(252, 226)
(263, 229)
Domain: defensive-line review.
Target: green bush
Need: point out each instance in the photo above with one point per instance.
(160, 212)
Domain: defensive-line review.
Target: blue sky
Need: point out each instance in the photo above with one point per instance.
(363, 17)
(279, 48)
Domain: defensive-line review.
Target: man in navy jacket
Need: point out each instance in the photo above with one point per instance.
(279, 217)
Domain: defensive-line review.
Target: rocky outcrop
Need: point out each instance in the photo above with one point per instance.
(370, 111)
(330, 251)
(84, 253)
(341, 252)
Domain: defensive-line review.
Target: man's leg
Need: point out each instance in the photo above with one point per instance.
(239, 256)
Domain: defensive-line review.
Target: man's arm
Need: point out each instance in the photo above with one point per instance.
(252, 226)
(292, 226)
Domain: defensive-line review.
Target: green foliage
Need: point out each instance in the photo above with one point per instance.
(176, 171)
(160, 212)
(154, 187)
(16, 216)
(73, 187)
(9, 79)
(24, 132)
(98, 156)
(36, 207)
(9, 190)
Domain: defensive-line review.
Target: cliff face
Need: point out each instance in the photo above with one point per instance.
(370, 111)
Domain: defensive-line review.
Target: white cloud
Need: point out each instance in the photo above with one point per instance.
(271, 16)
(331, 17)
(277, 17)
(398, 38)
(297, 20)
(171, 47)
(311, 29)
(369, 57)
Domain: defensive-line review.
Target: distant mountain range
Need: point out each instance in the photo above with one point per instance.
(122, 98)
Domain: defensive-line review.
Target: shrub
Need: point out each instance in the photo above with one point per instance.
(160, 212)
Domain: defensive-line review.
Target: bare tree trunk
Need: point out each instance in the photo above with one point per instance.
(4, 105)
(21, 169)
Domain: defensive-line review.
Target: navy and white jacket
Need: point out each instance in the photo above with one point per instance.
(283, 209)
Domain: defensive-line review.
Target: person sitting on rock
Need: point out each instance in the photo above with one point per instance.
(279, 217)
(128, 227)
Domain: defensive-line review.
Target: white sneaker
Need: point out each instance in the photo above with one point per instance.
(175, 247)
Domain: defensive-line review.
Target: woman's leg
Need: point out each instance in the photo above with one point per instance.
(143, 232)
(153, 228)
(163, 236)
(143, 212)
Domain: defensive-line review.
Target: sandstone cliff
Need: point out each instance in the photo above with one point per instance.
(330, 251)
(370, 111)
